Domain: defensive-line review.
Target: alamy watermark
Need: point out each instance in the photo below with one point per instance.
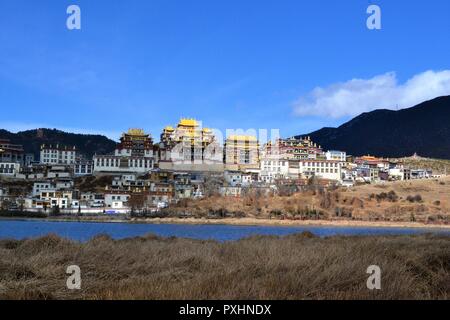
(74, 20)
(74, 280)
(374, 20)
(374, 281)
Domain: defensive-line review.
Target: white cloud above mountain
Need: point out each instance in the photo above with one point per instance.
(356, 96)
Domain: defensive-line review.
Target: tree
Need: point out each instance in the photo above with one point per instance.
(5, 204)
(286, 188)
(212, 184)
(55, 210)
(136, 202)
(21, 203)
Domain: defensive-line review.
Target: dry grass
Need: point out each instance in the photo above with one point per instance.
(360, 203)
(93, 183)
(439, 166)
(434, 206)
(294, 267)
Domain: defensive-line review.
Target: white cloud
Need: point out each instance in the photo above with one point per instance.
(356, 96)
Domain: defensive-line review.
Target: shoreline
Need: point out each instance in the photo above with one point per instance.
(243, 222)
(292, 223)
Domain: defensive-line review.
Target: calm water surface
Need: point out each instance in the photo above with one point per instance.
(83, 231)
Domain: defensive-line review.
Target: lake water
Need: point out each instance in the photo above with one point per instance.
(83, 231)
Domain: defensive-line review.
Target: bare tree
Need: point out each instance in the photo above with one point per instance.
(212, 184)
(136, 202)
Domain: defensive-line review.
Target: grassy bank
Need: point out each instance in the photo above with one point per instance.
(235, 222)
(416, 201)
(22, 214)
(294, 267)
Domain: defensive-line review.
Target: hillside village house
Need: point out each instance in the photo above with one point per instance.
(39, 172)
(62, 200)
(9, 168)
(91, 200)
(238, 178)
(12, 158)
(421, 174)
(44, 186)
(183, 186)
(11, 153)
(399, 173)
(134, 154)
(371, 169)
(330, 170)
(57, 154)
(29, 176)
(83, 167)
(273, 167)
(161, 193)
(48, 198)
(57, 172)
(63, 183)
(294, 149)
(34, 171)
(334, 155)
(233, 178)
(3, 195)
(116, 200)
(372, 162)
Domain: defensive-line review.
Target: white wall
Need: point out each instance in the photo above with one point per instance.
(323, 169)
(336, 156)
(9, 168)
(38, 187)
(273, 167)
(112, 164)
(110, 198)
(55, 156)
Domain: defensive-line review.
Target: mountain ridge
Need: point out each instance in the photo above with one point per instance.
(422, 129)
(86, 144)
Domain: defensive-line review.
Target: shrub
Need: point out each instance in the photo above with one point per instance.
(416, 198)
(391, 196)
(276, 213)
(343, 212)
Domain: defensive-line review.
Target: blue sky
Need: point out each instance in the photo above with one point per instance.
(293, 65)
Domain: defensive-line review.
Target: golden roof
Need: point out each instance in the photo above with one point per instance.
(188, 122)
(369, 158)
(169, 128)
(242, 138)
(136, 132)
